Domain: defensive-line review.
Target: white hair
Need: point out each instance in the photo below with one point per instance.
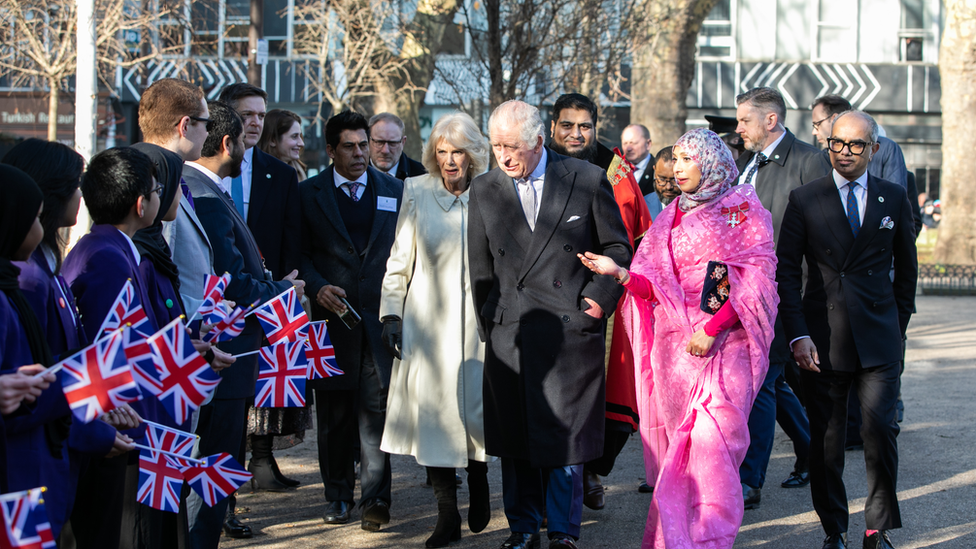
(523, 116)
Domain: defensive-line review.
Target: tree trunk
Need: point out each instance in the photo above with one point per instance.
(957, 67)
(664, 66)
(52, 110)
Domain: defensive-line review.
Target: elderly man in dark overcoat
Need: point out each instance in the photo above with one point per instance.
(541, 314)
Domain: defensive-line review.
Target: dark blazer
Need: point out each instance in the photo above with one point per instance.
(235, 252)
(851, 308)
(329, 258)
(273, 213)
(544, 371)
(408, 167)
(793, 163)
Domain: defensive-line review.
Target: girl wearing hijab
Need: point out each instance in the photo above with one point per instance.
(21, 336)
(699, 308)
(57, 171)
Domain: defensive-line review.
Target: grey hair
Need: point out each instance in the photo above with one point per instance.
(875, 131)
(765, 100)
(523, 116)
(460, 130)
(386, 117)
(642, 129)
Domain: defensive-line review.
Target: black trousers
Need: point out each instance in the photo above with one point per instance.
(827, 401)
(221, 428)
(339, 414)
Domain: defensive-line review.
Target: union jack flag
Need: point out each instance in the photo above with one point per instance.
(218, 478)
(281, 377)
(126, 310)
(160, 481)
(25, 522)
(139, 353)
(283, 318)
(185, 379)
(98, 379)
(213, 292)
(167, 439)
(320, 354)
(229, 325)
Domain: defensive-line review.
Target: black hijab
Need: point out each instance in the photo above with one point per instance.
(20, 198)
(150, 241)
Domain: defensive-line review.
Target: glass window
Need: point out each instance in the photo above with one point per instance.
(912, 33)
(717, 36)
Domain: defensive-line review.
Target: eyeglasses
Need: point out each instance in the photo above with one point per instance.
(665, 180)
(379, 144)
(856, 147)
(158, 189)
(198, 119)
(817, 123)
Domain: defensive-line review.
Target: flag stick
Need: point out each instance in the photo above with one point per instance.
(254, 308)
(246, 354)
(168, 428)
(168, 453)
(52, 370)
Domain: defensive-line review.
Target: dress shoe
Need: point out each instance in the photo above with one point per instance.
(521, 541)
(236, 529)
(338, 512)
(264, 479)
(835, 541)
(561, 541)
(877, 540)
(375, 514)
(592, 491)
(751, 496)
(289, 482)
(797, 479)
(645, 488)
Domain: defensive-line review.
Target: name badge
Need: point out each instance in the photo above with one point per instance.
(386, 204)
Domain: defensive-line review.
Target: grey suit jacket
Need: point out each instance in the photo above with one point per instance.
(793, 163)
(330, 258)
(192, 254)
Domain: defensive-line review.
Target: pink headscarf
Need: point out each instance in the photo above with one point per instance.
(715, 162)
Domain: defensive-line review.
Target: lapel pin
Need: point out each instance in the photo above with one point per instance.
(880, 199)
(267, 175)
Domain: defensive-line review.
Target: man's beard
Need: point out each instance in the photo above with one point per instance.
(757, 146)
(237, 160)
(665, 199)
(587, 153)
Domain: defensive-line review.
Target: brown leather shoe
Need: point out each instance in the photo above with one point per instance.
(592, 491)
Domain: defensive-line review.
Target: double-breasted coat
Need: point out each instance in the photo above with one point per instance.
(544, 358)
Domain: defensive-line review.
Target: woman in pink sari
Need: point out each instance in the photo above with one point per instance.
(700, 305)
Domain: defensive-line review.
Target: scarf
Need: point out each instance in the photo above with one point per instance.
(150, 241)
(715, 163)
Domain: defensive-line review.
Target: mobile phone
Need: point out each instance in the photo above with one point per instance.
(350, 317)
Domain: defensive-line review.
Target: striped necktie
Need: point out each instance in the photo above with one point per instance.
(760, 162)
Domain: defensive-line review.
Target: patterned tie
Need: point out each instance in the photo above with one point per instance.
(353, 187)
(852, 214)
(237, 194)
(527, 197)
(760, 162)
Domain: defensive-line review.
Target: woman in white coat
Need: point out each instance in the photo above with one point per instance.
(434, 412)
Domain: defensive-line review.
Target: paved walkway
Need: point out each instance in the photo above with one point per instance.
(937, 474)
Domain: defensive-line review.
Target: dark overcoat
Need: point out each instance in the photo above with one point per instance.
(329, 257)
(544, 385)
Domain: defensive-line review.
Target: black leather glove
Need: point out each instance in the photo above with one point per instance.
(392, 329)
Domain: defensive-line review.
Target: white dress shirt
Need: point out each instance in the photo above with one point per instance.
(225, 188)
(768, 151)
(641, 167)
(860, 192)
(340, 182)
(246, 165)
(538, 180)
(132, 245)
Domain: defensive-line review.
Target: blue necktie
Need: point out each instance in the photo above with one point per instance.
(237, 194)
(852, 215)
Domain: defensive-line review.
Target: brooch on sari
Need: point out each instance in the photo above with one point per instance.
(736, 214)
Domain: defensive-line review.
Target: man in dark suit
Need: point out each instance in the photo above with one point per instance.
(846, 330)
(386, 140)
(349, 215)
(775, 162)
(268, 186)
(635, 142)
(541, 315)
(222, 422)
